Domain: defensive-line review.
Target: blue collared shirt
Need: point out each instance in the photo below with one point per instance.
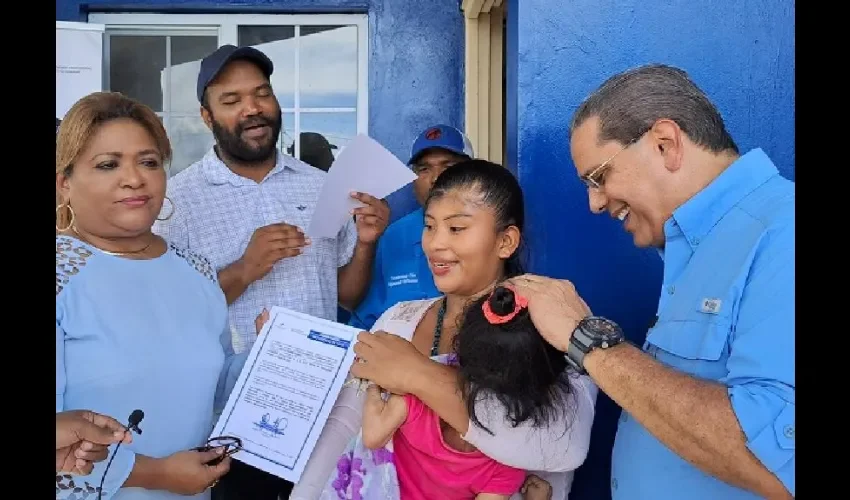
(400, 271)
(726, 314)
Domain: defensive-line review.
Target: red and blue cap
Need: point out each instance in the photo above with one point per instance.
(441, 137)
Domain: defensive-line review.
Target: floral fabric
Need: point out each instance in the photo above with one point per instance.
(364, 474)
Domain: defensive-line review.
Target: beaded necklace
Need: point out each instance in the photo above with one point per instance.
(438, 328)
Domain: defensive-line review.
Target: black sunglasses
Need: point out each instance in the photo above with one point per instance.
(231, 445)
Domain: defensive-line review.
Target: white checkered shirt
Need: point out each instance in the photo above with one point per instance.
(217, 211)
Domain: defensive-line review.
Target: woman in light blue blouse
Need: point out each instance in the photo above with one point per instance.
(140, 324)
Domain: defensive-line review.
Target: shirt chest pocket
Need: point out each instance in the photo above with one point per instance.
(697, 345)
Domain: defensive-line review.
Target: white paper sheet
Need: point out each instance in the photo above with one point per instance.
(283, 396)
(364, 166)
(79, 63)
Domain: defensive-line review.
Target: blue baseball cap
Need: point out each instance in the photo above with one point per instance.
(442, 137)
(212, 65)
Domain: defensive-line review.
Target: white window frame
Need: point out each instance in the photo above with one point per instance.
(225, 26)
(484, 64)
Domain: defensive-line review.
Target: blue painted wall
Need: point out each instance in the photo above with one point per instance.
(415, 59)
(560, 51)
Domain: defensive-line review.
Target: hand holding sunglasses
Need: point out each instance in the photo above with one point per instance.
(231, 445)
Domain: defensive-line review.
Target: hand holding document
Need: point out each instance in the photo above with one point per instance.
(363, 166)
(283, 396)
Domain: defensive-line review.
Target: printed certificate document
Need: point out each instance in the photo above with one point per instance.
(283, 396)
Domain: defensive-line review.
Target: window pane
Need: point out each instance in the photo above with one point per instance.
(287, 134)
(278, 43)
(324, 135)
(191, 48)
(135, 64)
(186, 55)
(328, 66)
(190, 140)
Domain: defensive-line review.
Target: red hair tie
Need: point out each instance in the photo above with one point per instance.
(520, 303)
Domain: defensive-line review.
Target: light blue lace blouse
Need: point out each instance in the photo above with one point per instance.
(140, 334)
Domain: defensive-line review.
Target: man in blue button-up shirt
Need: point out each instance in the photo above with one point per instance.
(400, 271)
(709, 399)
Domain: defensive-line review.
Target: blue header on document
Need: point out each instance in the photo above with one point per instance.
(328, 339)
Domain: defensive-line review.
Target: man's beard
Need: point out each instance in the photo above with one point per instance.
(232, 145)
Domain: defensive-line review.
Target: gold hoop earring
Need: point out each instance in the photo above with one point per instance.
(173, 208)
(71, 222)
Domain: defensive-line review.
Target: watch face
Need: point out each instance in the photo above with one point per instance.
(603, 327)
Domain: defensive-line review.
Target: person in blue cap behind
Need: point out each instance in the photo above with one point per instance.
(400, 270)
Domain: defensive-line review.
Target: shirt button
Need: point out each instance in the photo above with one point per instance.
(695, 241)
(614, 483)
(623, 418)
(671, 289)
(789, 431)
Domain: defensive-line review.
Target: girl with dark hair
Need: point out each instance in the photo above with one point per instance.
(500, 355)
(474, 218)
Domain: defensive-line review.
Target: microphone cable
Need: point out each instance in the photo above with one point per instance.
(132, 425)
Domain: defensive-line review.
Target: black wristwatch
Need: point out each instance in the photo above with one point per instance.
(593, 332)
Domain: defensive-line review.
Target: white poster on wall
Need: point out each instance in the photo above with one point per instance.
(79, 63)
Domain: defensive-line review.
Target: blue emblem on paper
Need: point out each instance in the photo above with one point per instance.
(274, 428)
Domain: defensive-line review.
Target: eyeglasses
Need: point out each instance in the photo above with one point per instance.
(595, 179)
(231, 445)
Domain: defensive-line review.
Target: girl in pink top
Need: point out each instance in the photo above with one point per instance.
(499, 355)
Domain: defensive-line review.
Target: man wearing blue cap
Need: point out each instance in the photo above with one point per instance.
(243, 206)
(401, 270)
